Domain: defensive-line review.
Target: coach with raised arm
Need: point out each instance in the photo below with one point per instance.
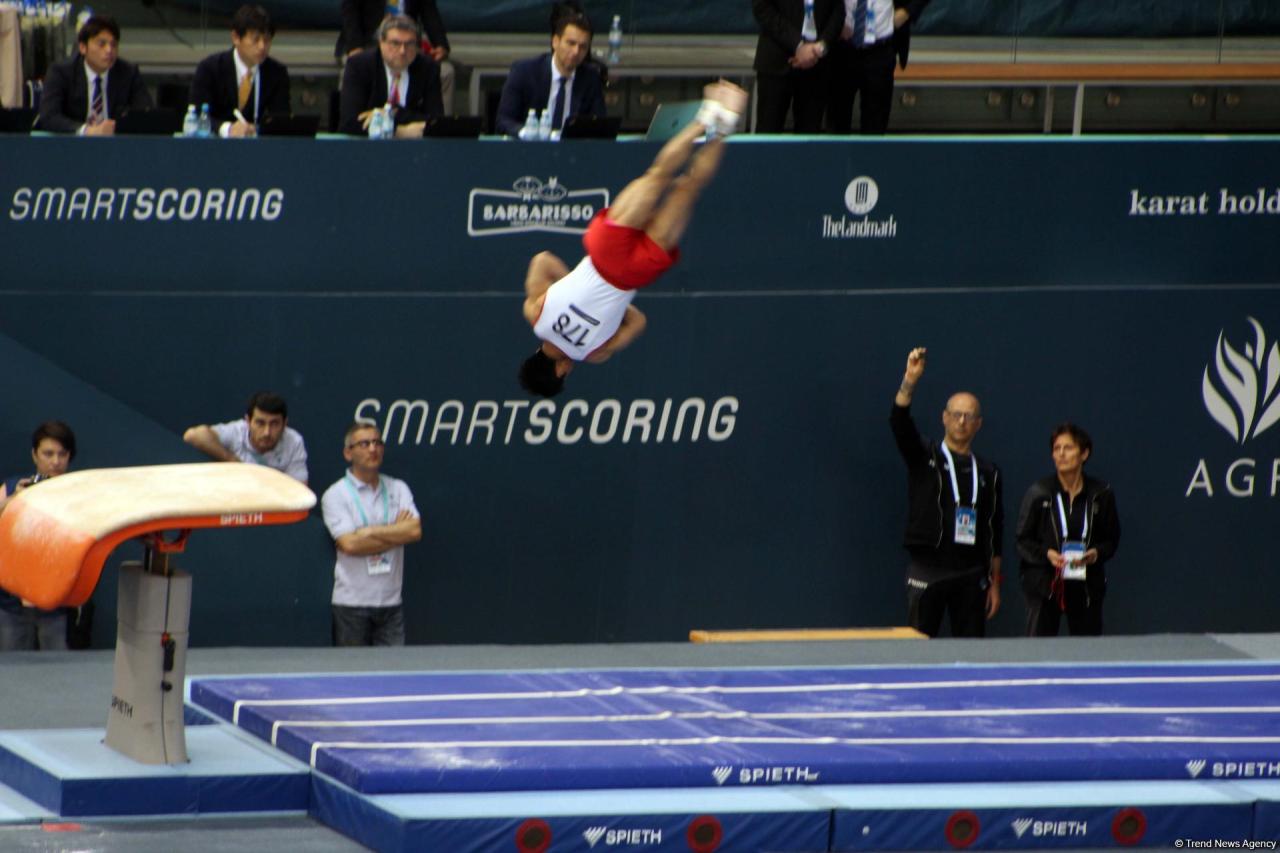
(955, 515)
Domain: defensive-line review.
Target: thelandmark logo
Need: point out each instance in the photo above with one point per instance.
(860, 198)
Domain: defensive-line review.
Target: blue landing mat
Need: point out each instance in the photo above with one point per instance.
(72, 774)
(584, 729)
(1026, 816)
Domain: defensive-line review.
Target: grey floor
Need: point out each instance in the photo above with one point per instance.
(71, 690)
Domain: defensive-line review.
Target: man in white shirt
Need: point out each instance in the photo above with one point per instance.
(262, 437)
(586, 314)
(371, 517)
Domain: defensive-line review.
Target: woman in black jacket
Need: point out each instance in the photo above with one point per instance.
(1067, 530)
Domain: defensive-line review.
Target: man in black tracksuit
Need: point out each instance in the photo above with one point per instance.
(955, 515)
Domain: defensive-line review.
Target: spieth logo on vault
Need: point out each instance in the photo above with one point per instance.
(1240, 388)
(618, 837)
(1050, 828)
(860, 198)
(533, 205)
(757, 775)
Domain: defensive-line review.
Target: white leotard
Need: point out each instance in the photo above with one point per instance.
(581, 311)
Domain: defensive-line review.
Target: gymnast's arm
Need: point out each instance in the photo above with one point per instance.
(545, 269)
(632, 326)
(204, 439)
(376, 538)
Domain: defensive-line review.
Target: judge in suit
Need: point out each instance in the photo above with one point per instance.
(243, 80)
(537, 83)
(876, 38)
(790, 72)
(393, 73)
(360, 20)
(87, 93)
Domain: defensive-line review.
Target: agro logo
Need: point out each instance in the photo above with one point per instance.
(1240, 392)
(533, 205)
(1240, 387)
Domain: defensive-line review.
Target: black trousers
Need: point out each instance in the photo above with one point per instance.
(1084, 611)
(963, 599)
(867, 72)
(803, 92)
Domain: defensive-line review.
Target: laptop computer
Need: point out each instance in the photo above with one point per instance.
(149, 123)
(670, 119)
(453, 127)
(17, 120)
(303, 125)
(591, 127)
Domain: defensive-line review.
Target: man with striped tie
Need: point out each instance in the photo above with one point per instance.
(876, 37)
(87, 93)
(243, 85)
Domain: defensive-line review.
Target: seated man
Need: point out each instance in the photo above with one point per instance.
(360, 19)
(586, 314)
(392, 73)
(557, 81)
(87, 93)
(262, 437)
(22, 625)
(244, 84)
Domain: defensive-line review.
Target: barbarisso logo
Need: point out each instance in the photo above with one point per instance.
(860, 198)
(1240, 387)
(533, 204)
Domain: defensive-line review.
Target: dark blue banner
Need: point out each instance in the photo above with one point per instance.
(734, 468)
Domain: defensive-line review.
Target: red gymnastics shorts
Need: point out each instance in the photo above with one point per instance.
(626, 257)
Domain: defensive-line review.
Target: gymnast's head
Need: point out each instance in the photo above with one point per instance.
(543, 374)
(267, 415)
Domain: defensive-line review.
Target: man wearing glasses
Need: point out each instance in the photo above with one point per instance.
(393, 73)
(955, 515)
(371, 517)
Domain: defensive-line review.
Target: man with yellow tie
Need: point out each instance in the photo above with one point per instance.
(244, 85)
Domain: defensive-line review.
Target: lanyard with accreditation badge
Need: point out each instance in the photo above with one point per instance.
(378, 564)
(966, 516)
(1073, 549)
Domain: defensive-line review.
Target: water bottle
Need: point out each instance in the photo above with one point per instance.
(615, 40)
(204, 129)
(544, 125)
(190, 124)
(378, 125)
(530, 129)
